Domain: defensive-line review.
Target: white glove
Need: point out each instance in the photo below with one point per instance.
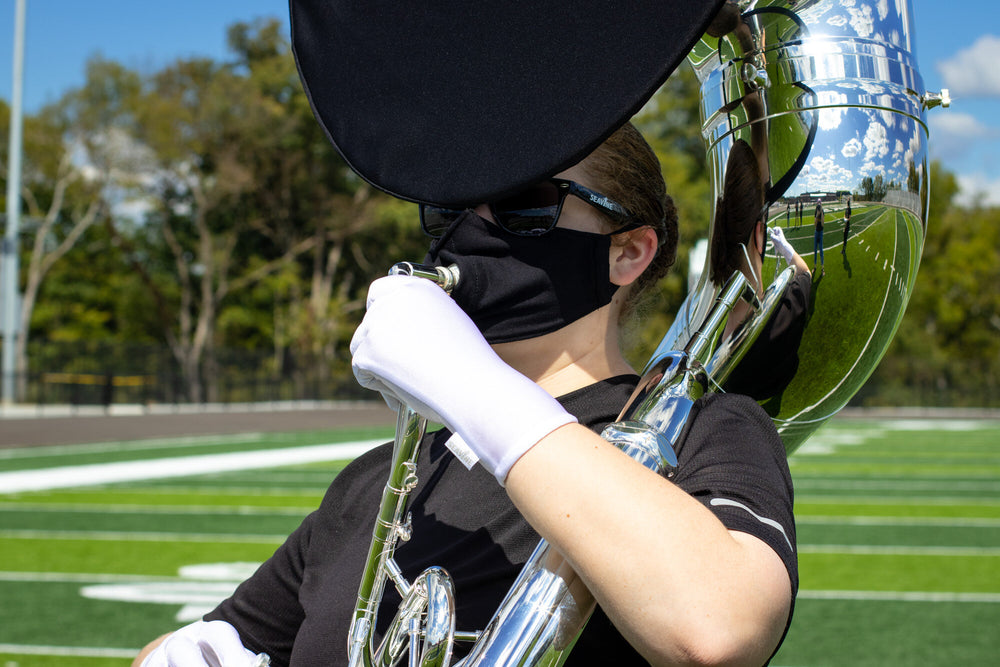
(203, 644)
(416, 346)
(781, 245)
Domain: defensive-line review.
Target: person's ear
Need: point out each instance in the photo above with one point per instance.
(631, 253)
(759, 237)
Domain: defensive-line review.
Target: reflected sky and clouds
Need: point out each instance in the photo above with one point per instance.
(859, 143)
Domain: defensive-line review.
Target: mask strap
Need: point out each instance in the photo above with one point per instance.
(753, 273)
(440, 242)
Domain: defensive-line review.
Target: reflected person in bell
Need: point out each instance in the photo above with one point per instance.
(738, 243)
(847, 226)
(818, 239)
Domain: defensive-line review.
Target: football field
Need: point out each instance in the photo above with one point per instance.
(104, 546)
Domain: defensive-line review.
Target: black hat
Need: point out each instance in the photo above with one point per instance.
(457, 103)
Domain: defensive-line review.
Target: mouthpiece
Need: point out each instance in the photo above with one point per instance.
(445, 276)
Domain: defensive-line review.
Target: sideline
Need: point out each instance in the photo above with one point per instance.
(181, 466)
(68, 651)
(50, 410)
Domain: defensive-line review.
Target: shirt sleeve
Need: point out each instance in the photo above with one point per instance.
(773, 359)
(733, 461)
(265, 608)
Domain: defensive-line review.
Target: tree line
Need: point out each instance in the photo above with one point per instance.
(199, 209)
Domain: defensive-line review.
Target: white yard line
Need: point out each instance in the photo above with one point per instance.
(180, 466)
(899, 596)
(893, 550)
(918, 521)
(72, 651)
(81, 577)
(125, 536)
(177, 442)
(198, 510)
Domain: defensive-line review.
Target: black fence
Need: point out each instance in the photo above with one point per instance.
(90, 373)
(104, 374)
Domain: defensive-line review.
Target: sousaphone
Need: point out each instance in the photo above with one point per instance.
(456, 104)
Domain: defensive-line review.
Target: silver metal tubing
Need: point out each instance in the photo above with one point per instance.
(446, 277)
(410, 428)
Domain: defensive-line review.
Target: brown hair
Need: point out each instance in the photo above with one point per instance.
(626, 169)
(737, 212)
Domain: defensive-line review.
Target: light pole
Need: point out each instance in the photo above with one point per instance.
(11, 263)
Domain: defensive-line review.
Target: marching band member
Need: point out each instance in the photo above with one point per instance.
(522, 366)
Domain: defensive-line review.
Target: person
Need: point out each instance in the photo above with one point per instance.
(818, 239)
(522, 364)
(738, 241)
(847, 226)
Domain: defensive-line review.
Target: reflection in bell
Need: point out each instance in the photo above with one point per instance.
(834, 118)
(738, 244)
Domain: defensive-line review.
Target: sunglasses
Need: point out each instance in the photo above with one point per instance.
(531, 212)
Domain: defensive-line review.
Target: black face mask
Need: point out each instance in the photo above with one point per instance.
(517, 287)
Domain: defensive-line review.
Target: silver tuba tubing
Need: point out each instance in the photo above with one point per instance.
(427, 612)
(548, 605)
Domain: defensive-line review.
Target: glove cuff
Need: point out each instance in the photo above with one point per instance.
(502, 433)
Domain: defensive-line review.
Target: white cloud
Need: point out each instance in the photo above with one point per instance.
(915, 143)
(825, 174)
(851, 148)
(973, 71)
(876, 141)
(959, 125)
(862, 22)
(870, 168)
(883, 9)
(978, 188)
(954, 134)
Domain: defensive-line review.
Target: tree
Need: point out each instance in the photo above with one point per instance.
(62, 199)
(209, 128)
(356, 232)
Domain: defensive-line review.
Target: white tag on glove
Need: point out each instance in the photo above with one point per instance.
(462, 451)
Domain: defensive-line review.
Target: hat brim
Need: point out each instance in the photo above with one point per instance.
(459, 103)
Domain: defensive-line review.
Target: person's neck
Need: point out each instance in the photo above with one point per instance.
(579, 354)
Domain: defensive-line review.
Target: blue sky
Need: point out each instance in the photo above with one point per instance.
(957, 47)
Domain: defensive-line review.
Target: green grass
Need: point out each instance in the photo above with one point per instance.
(162, 496)
(899, 533)
(898, 526)
(876, 634)
(76, 660)
(856, 299)
(127, 555)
